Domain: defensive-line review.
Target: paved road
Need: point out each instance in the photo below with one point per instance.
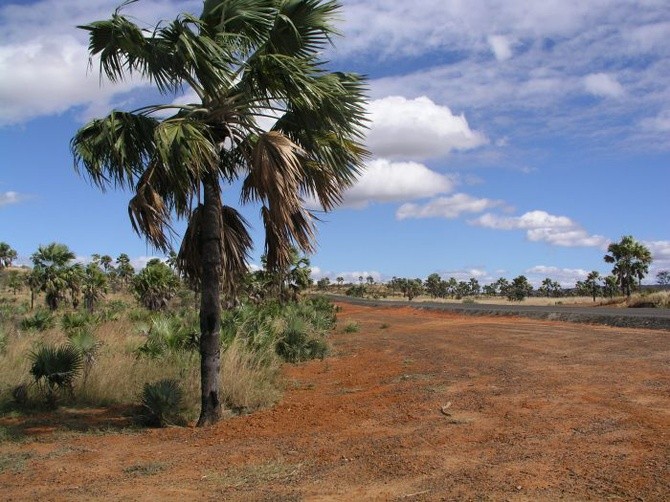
(631, 318)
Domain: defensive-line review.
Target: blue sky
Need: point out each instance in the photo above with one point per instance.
(508, 137)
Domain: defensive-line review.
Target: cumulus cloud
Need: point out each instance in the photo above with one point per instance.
(386, 181)
(544, 227)
(603, 85)
(44, 57)
(417, 128)
(567, 277)
(501, 47)
(660, 252)
(446, 207)
(8, 198)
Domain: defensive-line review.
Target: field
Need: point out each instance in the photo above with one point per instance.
(412, 405)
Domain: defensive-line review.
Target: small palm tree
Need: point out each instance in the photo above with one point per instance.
(55, 369)
(244, 60)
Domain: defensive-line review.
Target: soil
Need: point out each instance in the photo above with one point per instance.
(414, 405)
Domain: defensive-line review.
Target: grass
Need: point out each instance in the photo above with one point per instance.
(250, 376)
(352, 327)
(147, 469)
(14, 462)
(251, 357)
(253, 475)
(658, 299)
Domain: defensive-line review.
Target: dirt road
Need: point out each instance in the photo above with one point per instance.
(415, 405)
(651, 318)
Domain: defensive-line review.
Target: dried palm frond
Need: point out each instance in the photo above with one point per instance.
(235, 244)
(150, 216)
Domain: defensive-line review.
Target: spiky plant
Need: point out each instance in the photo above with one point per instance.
(83, 340)
(162, 403)
(54, 370)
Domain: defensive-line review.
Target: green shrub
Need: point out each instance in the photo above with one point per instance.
(162, 403)
(73, 321)
(41, 320)
(84, 342)
(298, 343)
(351, 327)
(54, 370)
(166, 333)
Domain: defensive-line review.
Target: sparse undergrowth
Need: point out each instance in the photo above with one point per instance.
(119, 351)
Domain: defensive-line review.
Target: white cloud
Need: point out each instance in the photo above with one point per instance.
(44, 57)
(349, 277)
(545, 227)
(8, 198)
(418, 128)
(660, 252)
(385, 181)
(567, 277)
(501, 47)
(603, 85)
(446, 207)
(659, 123)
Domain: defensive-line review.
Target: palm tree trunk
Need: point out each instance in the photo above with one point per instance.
(210, 306)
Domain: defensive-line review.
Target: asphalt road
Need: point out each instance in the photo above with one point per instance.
(650, 318)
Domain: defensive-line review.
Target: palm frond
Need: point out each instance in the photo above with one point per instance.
(235, 242)
(302, 27)
(245, 23)
(150, 216)
(124, 49)
(114, 150)
(274, 179)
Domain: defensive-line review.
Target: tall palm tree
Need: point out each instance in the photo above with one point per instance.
(631, 262)
(7, 255)
(245, 60)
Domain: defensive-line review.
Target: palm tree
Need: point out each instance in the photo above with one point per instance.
(50, 272)
(7, 255)
(124, 269)
(631, 261)
(244, 60)
(592, 283)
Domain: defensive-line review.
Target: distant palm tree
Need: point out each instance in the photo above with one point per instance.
(631, 262)
(245, 60)
(7, 255)
(50, 272)
(592, 282)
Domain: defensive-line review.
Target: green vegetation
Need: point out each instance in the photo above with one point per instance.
(163, 403)
(120, 353)
(631, 262)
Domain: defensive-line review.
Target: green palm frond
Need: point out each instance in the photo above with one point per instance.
(115, 150)
(302, 27)
(245, 23)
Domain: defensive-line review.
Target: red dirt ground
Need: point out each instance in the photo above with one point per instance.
(539, 410)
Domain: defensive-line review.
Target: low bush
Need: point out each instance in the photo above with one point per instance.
(162, 403)
(54, 370)
(41, 320)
